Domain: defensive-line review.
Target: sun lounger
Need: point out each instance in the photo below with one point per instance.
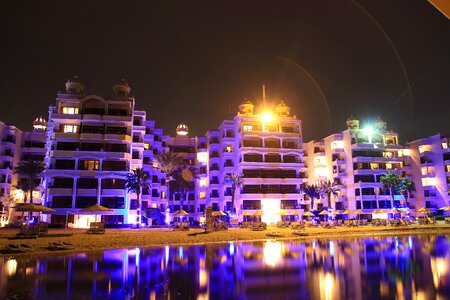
(431, 221)
(60, 246)
(18, 248)
(259, 226)
(96, 228)
(299, 233)
(447, 220)
(274, 234)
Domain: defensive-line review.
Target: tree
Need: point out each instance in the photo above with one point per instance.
(406, 187)
(168, 162)
(184, 180)
(30, 172)
(391, 182)
(8, 203)
(312, 191)
(236, 181)
(329, 188)
(136, 181)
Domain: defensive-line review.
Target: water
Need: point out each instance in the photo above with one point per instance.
(370, 268)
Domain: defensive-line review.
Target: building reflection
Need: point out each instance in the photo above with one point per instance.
(384, 268)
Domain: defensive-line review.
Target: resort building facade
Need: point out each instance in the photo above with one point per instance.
(90, 143)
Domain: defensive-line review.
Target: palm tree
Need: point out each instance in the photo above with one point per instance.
(236, 181)
(184, 180)
(8, 203)
(407, 186)
(136, 181)
(329, 188)
(168, 162)
(312, 191)
(30, 172)
(391, 182)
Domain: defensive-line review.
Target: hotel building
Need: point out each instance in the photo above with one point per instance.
(90, 143)
(428, 164)
(354, 160)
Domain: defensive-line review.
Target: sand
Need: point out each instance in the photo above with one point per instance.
(151, 237)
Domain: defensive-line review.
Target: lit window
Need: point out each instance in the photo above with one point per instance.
(155, 164)
(424, 148)
(202, 195)
(374, 166)
(146, 146)
(428, 181)
(423, 170)
(70, 110)
(91, 165)
(447, 167)
(388, 154)
(202, 157)
(203, 182)
(320, 172)
(248, 127)
(229, 148)
(337, 145)
(388, 166)
(70, 128)
(319, 160)
(444, 145)
(154, 204)
(163, 194)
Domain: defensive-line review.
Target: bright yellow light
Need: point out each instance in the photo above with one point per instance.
(202, 157)
(337, 145)
(83, 221)
(272, 253)
(429, 181)
(203, 182)
(368, 130)
(202, 195)
(266, 117)
(11, 267)
(270, 208)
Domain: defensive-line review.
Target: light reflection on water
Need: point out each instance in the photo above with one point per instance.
(372, 268)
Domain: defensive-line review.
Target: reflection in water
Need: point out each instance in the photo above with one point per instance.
(376, 268)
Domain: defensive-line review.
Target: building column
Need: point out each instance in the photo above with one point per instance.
(74, 192)
(99, 191)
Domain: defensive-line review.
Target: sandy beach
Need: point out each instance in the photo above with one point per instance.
(151, 237)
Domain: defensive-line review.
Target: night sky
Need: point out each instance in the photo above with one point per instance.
(195, 61)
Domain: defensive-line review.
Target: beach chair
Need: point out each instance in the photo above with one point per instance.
(96, 228)
(431, 221)
(185, 226)
(403, 222)
(18, 248)
(447, 220)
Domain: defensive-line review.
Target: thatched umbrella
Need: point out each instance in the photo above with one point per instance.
(358, 212)
(95, 209)
(218, 213)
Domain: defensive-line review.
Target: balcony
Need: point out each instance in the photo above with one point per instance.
(60, 191)
(117, 137)
(117, 118)
(91, 136)
(65, 135)
(87, 192)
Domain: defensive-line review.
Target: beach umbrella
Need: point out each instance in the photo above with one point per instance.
(358, 212)
(281, 213)
(382, 211)
(395, 211)
(445, 208)
(295, 212)
(323, 213)
(180, 212)
(31, 207)
(95, 209)
(336, 212)
(258, 213)
(218, 213)
(309, 214)
(424, 210)
(375, 212)
(246, 213)
(347, 212)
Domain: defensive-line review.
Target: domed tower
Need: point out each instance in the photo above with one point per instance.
(182, 130)
(282, 109)
(246, 107)
(74, 86)
(39, 124)
(380, 124)
(121, 88)
(352, 123)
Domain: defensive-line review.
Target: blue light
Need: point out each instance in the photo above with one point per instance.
(231, 249)
(180, 252)
(396, 243)
(138, 252)
(314, 245)
(410, 242)
(331, 248)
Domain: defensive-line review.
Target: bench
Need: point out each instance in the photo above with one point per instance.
(96, 227)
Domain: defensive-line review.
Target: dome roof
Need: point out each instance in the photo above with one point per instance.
(74, 85)
(182, 129)
(39, 123)
(246, 107)
(282, 109)
(122, 88)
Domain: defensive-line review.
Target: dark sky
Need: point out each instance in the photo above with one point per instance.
(195, 61)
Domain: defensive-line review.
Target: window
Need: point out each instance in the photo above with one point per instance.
(428, 181)
(424, 148)
(229, 148)
(337, 145)
(146, 146)
(202, 157)
(375, 166)
(202, 195)
(89, 165)
(444, 145)
(203, 182)
(388, 166)
(155, 165)
(70, 129)
(248, 128)
(163, 195)
(70, 110)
